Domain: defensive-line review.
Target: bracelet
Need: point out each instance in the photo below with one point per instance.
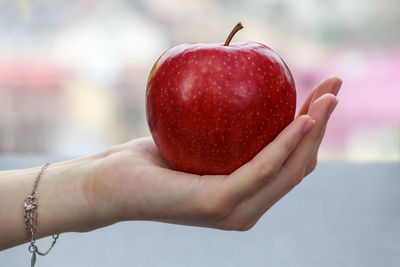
(31, 220)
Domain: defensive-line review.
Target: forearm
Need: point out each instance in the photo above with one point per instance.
(62, 203)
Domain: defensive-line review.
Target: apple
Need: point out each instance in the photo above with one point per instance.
(212, 107)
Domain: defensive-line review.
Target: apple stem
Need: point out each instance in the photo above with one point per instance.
(237, 28)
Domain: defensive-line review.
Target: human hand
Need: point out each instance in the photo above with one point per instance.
(132, 182)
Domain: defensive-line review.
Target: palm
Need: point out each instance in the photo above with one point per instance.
(147, 153)
(161, 181)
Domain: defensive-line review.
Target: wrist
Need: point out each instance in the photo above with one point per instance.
(66, 202)
(62, 204)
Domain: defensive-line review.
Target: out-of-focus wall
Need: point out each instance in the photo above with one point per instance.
(73, 73)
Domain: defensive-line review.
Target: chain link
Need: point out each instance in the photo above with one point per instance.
(31, 220)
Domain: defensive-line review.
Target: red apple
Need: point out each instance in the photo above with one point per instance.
(212, 107)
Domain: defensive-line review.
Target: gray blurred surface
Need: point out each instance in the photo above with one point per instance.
(344, 214)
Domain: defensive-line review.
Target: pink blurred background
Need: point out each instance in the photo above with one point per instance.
(73, 73)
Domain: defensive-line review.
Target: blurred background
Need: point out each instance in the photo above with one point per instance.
(73, 73)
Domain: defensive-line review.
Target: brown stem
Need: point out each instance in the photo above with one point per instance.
(237, 28)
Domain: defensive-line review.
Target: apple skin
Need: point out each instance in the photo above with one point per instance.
(211, 108)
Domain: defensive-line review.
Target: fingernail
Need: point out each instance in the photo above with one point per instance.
(333, 106)
(307, 127)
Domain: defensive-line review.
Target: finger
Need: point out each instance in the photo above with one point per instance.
(313, 162)
(254, 174)
(330, 85)
(295, 166)
(314, 158)
(292, 170)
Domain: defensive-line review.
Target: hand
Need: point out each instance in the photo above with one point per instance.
(132, 182)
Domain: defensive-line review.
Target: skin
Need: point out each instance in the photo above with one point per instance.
(132, 182)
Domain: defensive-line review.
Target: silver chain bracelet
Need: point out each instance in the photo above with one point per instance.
(31, 220)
